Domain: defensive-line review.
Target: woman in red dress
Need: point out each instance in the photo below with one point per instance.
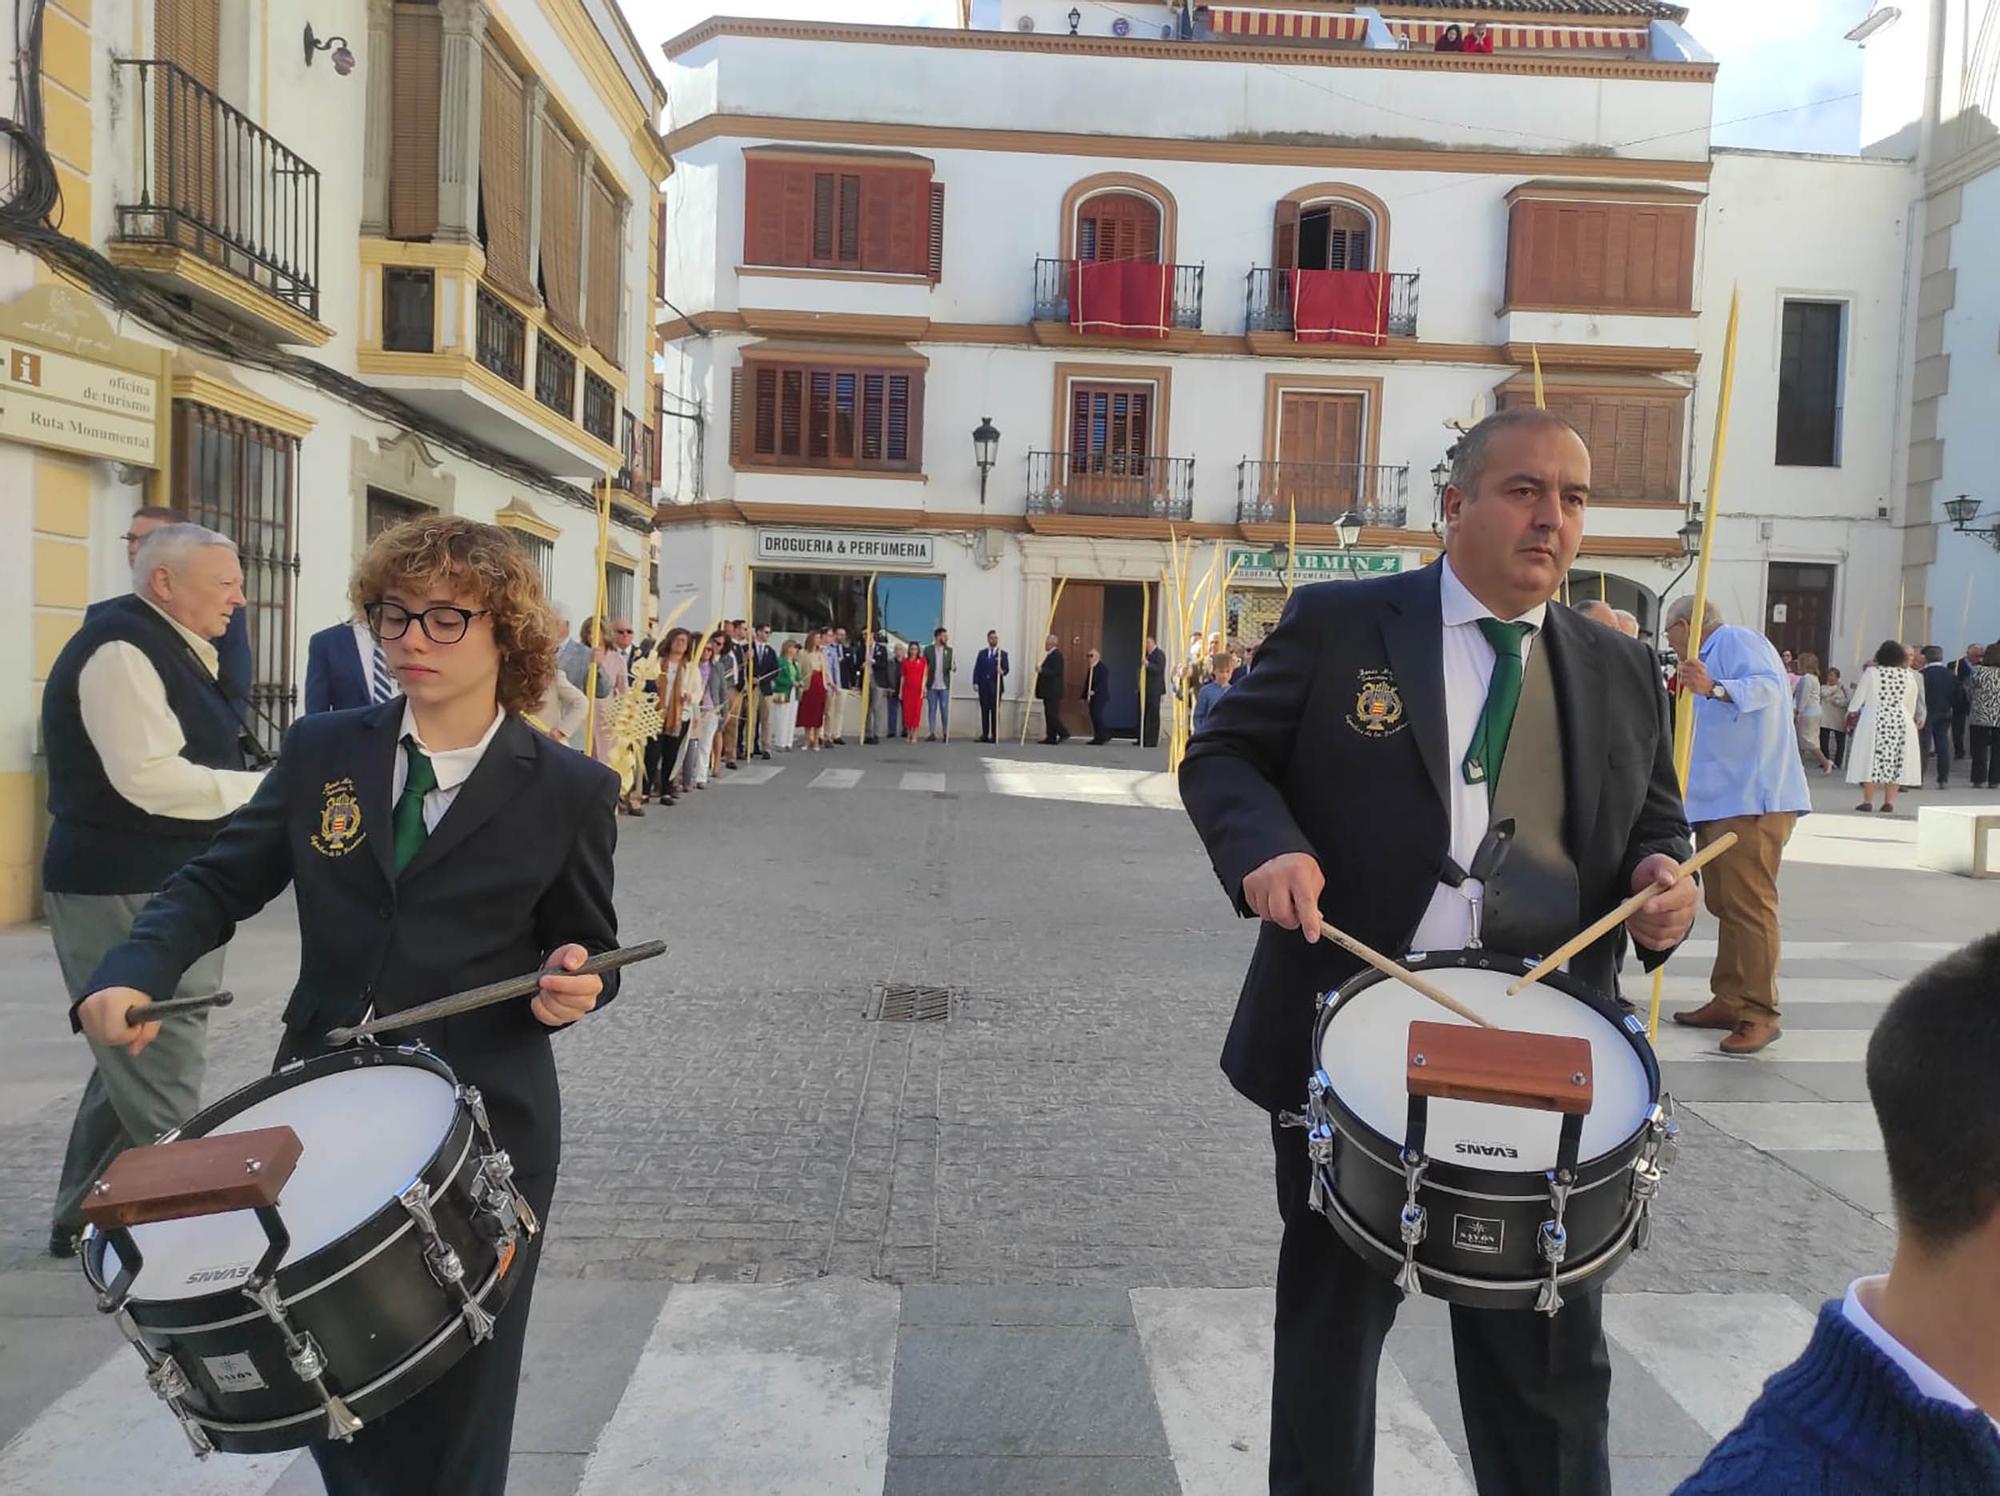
(812, 702)
(911, 663)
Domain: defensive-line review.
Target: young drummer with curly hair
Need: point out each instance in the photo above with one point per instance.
(437, 842)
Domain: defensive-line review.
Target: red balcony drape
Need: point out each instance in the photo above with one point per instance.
(1122, 298)
(1340, 306)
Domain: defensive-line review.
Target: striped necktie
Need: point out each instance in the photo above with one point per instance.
(382, 685)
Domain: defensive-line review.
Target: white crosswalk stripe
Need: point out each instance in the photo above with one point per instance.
(1797, 1046)
(790, 1389)
(749, 774)
(915, 780)
(836, 779)
(1809, 1126)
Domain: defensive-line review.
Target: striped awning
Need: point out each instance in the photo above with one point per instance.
(1314, 26)
(1334, 26)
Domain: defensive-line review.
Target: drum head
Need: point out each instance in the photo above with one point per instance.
(365, 1133)
(1365, 1050)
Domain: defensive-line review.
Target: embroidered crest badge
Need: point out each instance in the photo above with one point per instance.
(1378, 706)
(339, 820)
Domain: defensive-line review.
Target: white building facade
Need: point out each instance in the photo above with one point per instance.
(451, 205)
(873, 231)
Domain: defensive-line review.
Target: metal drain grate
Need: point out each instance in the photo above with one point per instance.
(901, 1004)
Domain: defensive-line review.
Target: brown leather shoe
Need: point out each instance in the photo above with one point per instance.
(1750, 1036)
(1711, 1014)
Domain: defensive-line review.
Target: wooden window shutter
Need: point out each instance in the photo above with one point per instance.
(605, 254)
(562, 271)
(415, 83)
(874, 388)
(764, 191)
(739, 424)
(936, 263)
(503, 177)
(791, 414)
(848, 236)
(1285, 238)
(764, 438)
(188, 33)
(1118, 226)
(825, 212)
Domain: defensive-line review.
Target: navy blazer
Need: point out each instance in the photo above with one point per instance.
(520, 864)
(1284, 763)
(984, 676)
(336, 677)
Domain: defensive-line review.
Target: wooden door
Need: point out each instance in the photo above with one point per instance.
(188, 34)
(1118, 226)
(1319, 452)
(1079, 626)
(1798, 612)
(1110, 441)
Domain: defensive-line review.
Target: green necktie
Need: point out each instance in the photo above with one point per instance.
(407, 819)
(1503, 695)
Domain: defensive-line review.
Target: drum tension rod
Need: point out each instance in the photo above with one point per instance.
(1413, 1223)
(307, 1359)
(1553, 1240)
(444, 1262)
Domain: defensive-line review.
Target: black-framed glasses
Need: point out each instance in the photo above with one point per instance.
(441, 625)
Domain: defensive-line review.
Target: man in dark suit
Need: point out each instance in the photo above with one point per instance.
(1348, 773)
(1049, 691)
(1156, 690)
(1097, 696)
(1968, 664)
(345, 668)
(763, 670)
(436, 842)
(1941, 694)
(989, 679)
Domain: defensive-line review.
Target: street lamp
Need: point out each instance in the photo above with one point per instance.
(1281, 557)
(985, 451)
(1075, 19)
(1440, 479)
(1348, 527)
(1690, 534)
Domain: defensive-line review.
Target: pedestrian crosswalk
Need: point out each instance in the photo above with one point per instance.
(838, 1387)
(1082, 783)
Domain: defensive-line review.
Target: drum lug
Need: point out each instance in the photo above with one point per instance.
(1319, 1150)
(1412, 1223)
(307, 1360)
(169, 1384)
(444, 1262)
(476, 1104)
(1553, 1241)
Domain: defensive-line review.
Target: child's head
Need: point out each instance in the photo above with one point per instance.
(1222, 664)
(485, 625)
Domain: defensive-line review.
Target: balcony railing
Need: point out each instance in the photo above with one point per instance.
(1110, 485)
(409, 308)
(1052, 282)
(500, 338)
(1268, 303)
(600, 409)
(214, 183)
(1324, 492)
(555, 377)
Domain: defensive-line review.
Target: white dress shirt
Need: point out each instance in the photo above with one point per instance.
(1928, 1382)
(364, 641)
(1468, 669)
(139, 740)
(453, 766)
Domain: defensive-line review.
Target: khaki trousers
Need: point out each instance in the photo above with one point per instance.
(1741, 890)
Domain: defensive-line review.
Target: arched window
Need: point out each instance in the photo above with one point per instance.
(1330, 235)
(1118, 226)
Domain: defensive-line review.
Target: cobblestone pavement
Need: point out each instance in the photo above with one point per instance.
(737, 1118)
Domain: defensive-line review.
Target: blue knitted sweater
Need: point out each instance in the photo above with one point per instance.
(1845, 1420)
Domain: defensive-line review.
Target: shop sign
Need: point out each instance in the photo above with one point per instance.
(859, 549)
(67, 382)
(1255, 568)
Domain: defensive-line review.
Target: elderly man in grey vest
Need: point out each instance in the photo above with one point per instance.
(146, 762)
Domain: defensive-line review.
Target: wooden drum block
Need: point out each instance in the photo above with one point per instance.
(193, 1177)
(1506, 1067)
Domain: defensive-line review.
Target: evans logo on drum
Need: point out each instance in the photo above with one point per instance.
(1477, 1234)
(1486, 1150)
(222, 1274)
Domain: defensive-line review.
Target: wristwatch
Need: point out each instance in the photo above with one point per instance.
(1716, 693)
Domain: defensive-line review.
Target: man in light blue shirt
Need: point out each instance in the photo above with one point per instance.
(1745, 777)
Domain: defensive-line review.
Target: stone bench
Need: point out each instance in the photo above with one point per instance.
(1959, 839)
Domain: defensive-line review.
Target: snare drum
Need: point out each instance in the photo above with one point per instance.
(1469, 1201)
(402, 1221)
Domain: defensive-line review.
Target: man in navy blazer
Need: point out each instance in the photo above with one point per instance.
(342, 665)
(989, 679)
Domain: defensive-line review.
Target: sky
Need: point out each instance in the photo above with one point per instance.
(1776, 55)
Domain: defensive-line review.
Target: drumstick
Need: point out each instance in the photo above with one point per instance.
(140, 1013)
(1401, 973)
(1622, 913)
(495, 992)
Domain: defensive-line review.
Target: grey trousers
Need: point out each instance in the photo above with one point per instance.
(129, 1099)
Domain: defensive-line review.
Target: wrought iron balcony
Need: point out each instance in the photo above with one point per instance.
(1183, 308)
(1110, 485)
(555, 377)
(600, 409)
(1268, 303)
(211, 182)
(1323, 491)
(501, 338)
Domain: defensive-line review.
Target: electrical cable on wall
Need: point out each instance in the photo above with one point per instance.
(28, 219)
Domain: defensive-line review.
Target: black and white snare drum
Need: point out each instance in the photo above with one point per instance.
(398, 1227)
(1487, 1205)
